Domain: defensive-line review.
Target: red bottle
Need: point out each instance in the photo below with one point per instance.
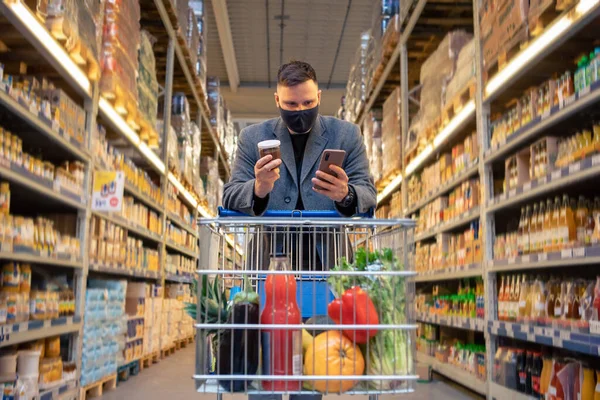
(281, 348)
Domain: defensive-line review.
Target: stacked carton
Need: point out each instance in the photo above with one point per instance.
(147, 86)
(103, 329)
(152, 317)
(391, 135)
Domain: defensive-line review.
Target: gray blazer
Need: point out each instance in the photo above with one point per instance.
(328, 133)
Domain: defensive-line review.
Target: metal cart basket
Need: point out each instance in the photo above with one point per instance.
(364, 346)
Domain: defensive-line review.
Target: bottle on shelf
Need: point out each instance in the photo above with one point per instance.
(581, 221)
(589, 224)
(540, 236)
(521, 233)
(567, 229)
(527, 230)
(514, 299)
(548, 226)
(524, 306)
(555, 225)
(501, 300)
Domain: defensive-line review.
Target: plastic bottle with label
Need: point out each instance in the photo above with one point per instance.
(548, 226)
(556, 224)
(281, 348)
(567, 228)
(581, 221)
(502, 302)
(521, 233)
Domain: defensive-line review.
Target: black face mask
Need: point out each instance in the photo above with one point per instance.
(300, 121)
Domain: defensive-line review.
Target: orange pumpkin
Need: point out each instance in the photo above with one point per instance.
(333, 354)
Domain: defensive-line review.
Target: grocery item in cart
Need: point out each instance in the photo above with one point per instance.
(355, 307)
(238, 352)
(332, 353)
(281, 348)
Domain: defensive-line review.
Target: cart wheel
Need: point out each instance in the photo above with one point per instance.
(219, 396)
(373, 397)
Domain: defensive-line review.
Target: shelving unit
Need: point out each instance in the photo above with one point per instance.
(27, 37)
(549, 52)
(454, 373)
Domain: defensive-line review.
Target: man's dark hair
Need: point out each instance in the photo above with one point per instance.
(295, 73)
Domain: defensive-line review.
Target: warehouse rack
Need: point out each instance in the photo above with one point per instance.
(32, 42)
(545, 54)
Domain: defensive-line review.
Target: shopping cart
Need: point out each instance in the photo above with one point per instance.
(265, 348)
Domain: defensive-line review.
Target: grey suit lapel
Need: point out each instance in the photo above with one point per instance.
(314, 148)
(287, 150)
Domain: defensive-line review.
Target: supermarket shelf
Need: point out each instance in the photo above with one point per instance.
(118, 269)
(148, 201)
(130, 226)
(567, 339)
(564, 258)
(67, 389)
(34, 330)
(448, 226)
(33, 258)
(471, 324)
(174, 246)
(454, 373)
(21, 176)
(43, 126)
(558, 179)
(499, 392)
(177, 220)
(463, 271)
(179, 278)
(192, 83)
(542, 123)
(394, 59)
(446, 187)
(562, 29)
(25, 21)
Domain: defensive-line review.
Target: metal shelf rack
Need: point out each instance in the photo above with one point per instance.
(521, 71)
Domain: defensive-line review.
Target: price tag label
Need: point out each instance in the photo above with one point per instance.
(55, 126)
(549, 332)
(545, 114)
(579, 252)
(531, 337)
(596, 160)
(512, 260)
(595, 327)
(538, 331)
(512, 193)
(525, 259)
(568, 253)
(569, 100)
(527, 186)
(565, 335)
(584, 92)
(542, 257)
(556, 174)
(557, 342)
(574, 168)
(502, 197)
(543, 180)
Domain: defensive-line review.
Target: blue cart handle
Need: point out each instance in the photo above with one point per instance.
(225, 213)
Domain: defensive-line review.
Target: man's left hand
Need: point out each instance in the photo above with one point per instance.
(334, 187)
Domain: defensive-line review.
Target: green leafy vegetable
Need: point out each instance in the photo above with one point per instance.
(388, 352)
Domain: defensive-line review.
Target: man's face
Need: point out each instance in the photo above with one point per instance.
(300, 97)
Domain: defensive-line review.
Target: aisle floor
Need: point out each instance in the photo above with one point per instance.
(171, 379)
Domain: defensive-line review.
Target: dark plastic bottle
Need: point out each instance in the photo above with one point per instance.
(528, 368)
(521, 371)
(536, 374)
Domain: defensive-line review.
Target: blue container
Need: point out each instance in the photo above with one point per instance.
(313, 295)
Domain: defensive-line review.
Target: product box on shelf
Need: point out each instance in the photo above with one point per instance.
(516, 169)
(512, 19)
(391, 135)
(463, 74)
(544, 154)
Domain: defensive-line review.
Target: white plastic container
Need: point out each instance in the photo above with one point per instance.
(29, 362)
(8, 365)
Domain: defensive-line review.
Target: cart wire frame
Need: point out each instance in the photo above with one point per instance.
(314, 248)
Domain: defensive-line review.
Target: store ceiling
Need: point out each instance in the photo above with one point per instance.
(311, 32)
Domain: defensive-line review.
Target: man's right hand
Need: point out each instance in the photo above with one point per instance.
(266, 172)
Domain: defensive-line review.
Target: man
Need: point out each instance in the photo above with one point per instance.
(260, 184)
(294, 182)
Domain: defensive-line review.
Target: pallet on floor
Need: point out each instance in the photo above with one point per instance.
(125, 371)
(149, 359)
(97, 388)
(167, 351)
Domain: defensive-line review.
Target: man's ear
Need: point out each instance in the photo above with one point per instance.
(319, 97)
(276, 99)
